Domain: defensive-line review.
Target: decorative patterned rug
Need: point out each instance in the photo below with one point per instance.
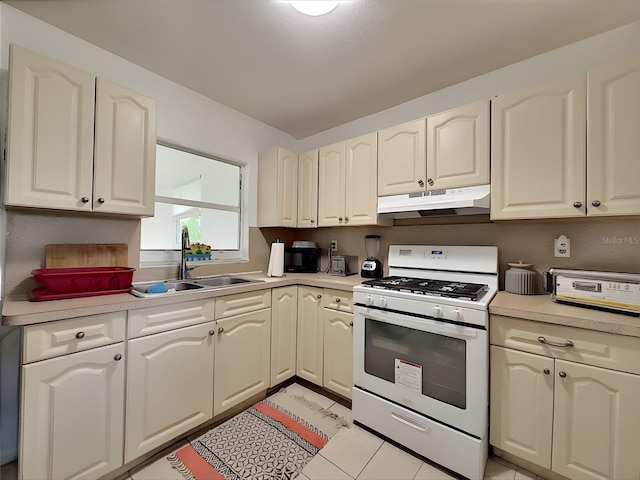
(265, 442)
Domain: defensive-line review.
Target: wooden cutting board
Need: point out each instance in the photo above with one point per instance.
(86, 255)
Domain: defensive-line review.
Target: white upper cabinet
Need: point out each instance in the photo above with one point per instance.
(50, 133)
(308, 189)
(125, 151)
(613, 145)
(538, 142)
(361, 180)
(347, 192)
(51, 162)
(458, 147)
(278, 188)
(402, 164)
(331, 187)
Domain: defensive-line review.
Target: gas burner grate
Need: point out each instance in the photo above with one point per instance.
(439, 288)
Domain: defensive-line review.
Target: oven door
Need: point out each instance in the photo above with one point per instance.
(435, 368)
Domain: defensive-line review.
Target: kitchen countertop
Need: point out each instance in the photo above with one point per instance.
(542, 308)
(17, 310)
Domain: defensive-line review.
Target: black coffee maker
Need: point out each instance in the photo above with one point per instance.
(371, 267)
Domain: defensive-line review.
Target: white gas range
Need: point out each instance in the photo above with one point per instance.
(421, 352)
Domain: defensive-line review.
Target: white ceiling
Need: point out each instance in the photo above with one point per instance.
(305, 75)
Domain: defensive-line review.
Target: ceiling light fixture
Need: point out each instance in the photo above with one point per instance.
(314, 7)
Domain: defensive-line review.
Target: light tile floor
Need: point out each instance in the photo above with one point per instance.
(353, 454)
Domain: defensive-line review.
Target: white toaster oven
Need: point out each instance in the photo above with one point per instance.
(616, 292)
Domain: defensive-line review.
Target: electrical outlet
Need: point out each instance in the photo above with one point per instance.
(333, 247)
(562, 246)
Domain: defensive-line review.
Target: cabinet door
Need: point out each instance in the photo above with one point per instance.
(50, 133)
(361, 180)
(521, 407)
(538, 151)
(169, 386)
(596, 424)
(331, 170)
(402, 162)
(338, 352)
(242, 355)
(277, 188)
(308, 189)
(72, 415)
(125, 151)
(458, 147)
(287, 193)
(284, 326)
(310, 338)
(613, 148)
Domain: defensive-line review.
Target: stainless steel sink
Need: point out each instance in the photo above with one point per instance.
(178, 286)
(220, 281)
(175, 286)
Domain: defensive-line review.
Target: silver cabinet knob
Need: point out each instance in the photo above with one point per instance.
(577, 204)
(351, 323)
(596, 203)
(85, 199)
(337, 300)
(101, 200)
(421, 183)
(339, 219)
(117, 357)
(563, 374)
(80, 335)
(212, 332)
(430, 181)
(319, 297)
(546, 371)
(346, 219)
(221, 329)
(312, 221)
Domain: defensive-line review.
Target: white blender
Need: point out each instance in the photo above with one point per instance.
(371, 267)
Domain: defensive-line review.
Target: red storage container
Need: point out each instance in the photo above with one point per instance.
(83, 279)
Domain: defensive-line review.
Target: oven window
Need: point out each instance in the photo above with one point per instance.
(421, 361)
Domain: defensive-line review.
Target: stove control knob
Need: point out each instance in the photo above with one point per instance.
(369, 300)
(383, 302)
(456, 314)
(437, 312)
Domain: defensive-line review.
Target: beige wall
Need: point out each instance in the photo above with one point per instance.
(608, 244)
(28, 231)
(611, 244)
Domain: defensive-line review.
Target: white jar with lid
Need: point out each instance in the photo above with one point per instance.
(520, 279)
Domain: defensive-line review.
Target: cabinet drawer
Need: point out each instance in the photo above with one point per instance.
(48, 340)
(147, 321)
(231, 305)
(607, 350)
(338, 300)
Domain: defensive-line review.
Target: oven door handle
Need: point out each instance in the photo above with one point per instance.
(410, 423)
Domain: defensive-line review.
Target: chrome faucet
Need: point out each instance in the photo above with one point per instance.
(186, 245)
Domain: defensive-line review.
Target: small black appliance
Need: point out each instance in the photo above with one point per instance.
(371, 267)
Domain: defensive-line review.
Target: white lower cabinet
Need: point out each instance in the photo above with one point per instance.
(310, 338)
(284, 315)
(568, 402)
(325, 338)
(170, 386)
(72, 415)
(338, 352)
(242, 358)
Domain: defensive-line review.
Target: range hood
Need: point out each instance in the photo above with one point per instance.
(456, 201)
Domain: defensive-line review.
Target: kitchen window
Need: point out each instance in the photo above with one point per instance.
(202, 192)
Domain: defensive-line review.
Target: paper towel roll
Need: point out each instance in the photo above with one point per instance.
(276, 260)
